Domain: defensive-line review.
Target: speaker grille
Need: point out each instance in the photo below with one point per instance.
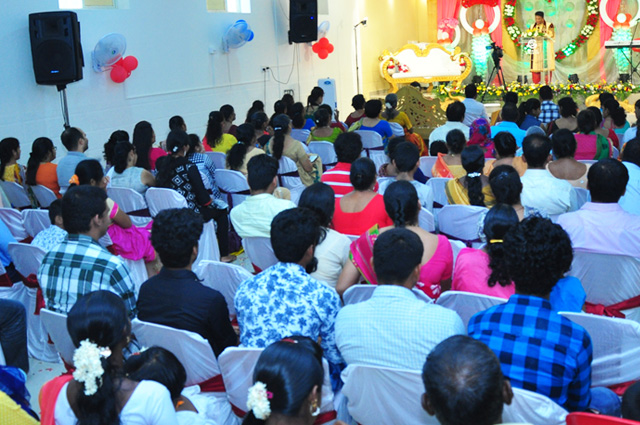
(53, 61)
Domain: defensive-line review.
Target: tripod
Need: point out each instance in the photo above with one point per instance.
(497, 70)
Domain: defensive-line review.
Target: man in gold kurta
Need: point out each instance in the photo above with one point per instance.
(543, 57)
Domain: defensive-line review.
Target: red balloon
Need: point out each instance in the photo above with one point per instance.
(322, 54)
(118, 74)
(323, 41)
(330, 48)
(316, 48)
(130, 63)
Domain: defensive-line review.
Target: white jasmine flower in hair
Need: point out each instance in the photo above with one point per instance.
(258, 400)
(89, 371)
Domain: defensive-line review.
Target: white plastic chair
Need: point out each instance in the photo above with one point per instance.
(56, 326)
(15, 292)
(233, 184)
(12, 218)
(44, 195)
(326, 152)
(384, 396)
(224, 278)
(131, 202)
(300, 134)
(138, 271)
(426, 220)
(588, 161)
(35, 221)
(358, 293)
(582, 196)
(608, 279)
(426, 164)
(532, 408)
(289, 177)
(466, 304)
(437, 185)
(616, 348)
(260, 252)
(27, 259)
(456, 247)
(219, 159)
(373, 147)
(16, 193)
(461, 222)
(397, 129)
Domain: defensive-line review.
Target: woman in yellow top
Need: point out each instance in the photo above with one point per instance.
(449, 165)
(215, 139)
(10, 170)
(323, 132)
(474, 188)
(391, 114)
(505, 147)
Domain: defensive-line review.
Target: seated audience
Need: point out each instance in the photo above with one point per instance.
(11, 273)
(604, 132)
(177, 173)
(401, 204)
(615, 117)
(229, 115)
(333, 250)
(602, 226)
(568, 112)
(252, 218)
(455, 116)
(529, 112)
(549, 111)
(256, 106)
(10, 170)
(215, 138)
(507, 189)
(373, 122)
(49, 238)
(282, 144)
(464, 384)
(510, 97)
(116, 136)
(565, 166)
(474, 110)
(323, 132)
(143, 139)
(99, 391)
(406, 160)
(260, 122)
(630, 201)
(40, 169)
(505, 147)
(359, 210)
(357, 103)
(391, 114)
(474, 188)
(76, 143)
(590, 145)
(480, 135)
(14, 395)
(241, 153)
(509, 123)
(389, 170)
(125, 173)
(367, 332)
(284, 300)
(532, 341)
(539, 188)
(437, 147)
(631, 133)
(79, 265)
(449, 165)
(176, 122)
(348, 147)
(13, 334)
(207, 169)
(314, 100)
(175, 297)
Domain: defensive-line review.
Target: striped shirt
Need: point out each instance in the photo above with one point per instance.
(338, 179)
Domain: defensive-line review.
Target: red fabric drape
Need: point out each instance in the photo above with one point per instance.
(613, 6)
(497, 34)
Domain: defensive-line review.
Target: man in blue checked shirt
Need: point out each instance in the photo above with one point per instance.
(538, 349)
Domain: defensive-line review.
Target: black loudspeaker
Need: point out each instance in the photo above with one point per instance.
(303, 21)
(55, 47)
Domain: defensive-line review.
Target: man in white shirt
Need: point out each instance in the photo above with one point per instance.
(474, 109)
(630, 202)
(632, 133)
(509, 115)
(539, 188)
(252, 218)
(455, 116)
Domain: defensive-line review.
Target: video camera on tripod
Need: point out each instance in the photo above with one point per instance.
(496, 53)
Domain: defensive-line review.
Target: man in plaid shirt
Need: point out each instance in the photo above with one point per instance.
(540, 350)
(549, 111)
(79, 265)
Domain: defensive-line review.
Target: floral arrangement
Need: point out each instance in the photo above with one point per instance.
(87, 360)
(258, 400)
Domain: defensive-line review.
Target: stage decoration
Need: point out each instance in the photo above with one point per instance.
(509, 13)
(621, 32)
(237, 35)
(323, 48)
(445, 28)
(480, 32)
(121, 70)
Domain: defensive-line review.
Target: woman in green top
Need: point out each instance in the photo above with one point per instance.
(323, 131)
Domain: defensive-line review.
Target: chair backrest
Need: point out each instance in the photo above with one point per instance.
(588, 161)
(583, 418)
(616, 348)
(397, 129)
(159, 199)
(426, 164)
(288, 175)
(437, 185)
(532, 408)
(373, 147)
(260, 252)
(466, 304)
(138, 271)
(460, 222)
(426, 220)
(193, 351)
(129, 200)
(26, 258)
(16, 193)
(56, 326)
(615, 153)
(208, 248)
(358, 293)
(35, 221)
(233, 184)
(300, 134)
(44, 195)
(608, 279)
(582, 196)
(219, 159)
(224, 278)
(456, 247)
(326, 152)
(12, 218)
(383, 396)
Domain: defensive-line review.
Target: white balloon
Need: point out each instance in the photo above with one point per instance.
(479, 24)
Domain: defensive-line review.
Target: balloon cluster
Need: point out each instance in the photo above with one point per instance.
(323, 48)
(121, 70)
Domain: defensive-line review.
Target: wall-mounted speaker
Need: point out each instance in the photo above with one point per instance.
(303, 21)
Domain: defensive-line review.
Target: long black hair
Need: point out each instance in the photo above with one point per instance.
(401, 203)
(214, 128)
(498, 221)
(101, 318)
(116, 136)
(246, 136)
(280, 127)
(120, 156)
(176, 140)
(160, 365)
(41, 147)
(89, 169)
(143, 140)
(473, 162)
(316, 94)
(7, 147)
(320, 199)
(256, 106)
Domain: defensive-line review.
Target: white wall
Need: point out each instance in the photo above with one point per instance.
(176, 75)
